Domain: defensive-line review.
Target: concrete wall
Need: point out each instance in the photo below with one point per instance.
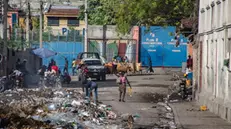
(211, 75)
(96, 32)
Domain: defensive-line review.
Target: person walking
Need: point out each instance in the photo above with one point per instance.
(73, 66)
(90, 86)
(189, 62)
(150, 69)
(122, 81)
(18, 64)
(114, 66)
(51, 64)
(66, 66)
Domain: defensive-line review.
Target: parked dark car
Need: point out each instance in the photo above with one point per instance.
(95, 69)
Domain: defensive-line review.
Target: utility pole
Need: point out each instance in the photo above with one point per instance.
(28, 23)
(41, 24)
(86, 29)
(5, 52)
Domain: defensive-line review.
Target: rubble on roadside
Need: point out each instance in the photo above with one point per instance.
(166, 116)
(52, 108)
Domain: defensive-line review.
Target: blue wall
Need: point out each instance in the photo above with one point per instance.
(158, 43)
(69, 50)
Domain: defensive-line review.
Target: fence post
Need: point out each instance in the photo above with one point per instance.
(74, 35)
(67, 35)
(49, 35)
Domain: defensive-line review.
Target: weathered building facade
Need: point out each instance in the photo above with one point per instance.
(212, 56)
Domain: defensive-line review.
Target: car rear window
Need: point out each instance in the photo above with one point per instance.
(93, 62)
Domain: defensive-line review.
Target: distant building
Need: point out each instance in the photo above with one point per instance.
(13, 17)
(61, 18)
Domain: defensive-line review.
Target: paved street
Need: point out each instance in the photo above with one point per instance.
(147, 91)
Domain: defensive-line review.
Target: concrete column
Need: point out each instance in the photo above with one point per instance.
(200, 23)
(215, 16)
(219, 15)
(205, 21)
(216, 64)
(225, 11)
(228, 11)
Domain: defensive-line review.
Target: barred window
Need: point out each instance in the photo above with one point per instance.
(73, 21)
(53, 21)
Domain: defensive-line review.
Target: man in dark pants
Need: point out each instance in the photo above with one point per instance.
(90, 86)
(66, 66)
(150, 69)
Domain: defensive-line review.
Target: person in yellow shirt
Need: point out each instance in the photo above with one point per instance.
(73, 66)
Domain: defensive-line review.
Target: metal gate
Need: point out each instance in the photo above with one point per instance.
(158, 43)
(115, 47)
(66, 45)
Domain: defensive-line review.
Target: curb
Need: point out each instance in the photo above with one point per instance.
(176, 117)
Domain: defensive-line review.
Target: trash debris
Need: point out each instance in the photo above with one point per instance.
(75, 103)
(136, 116)
(174, 101)
(52, 108)
(203, 108)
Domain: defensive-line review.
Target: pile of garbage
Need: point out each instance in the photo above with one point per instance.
(52, 108)
(166, 116)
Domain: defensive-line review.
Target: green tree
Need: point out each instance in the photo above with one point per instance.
(100, 12)
(127, 13)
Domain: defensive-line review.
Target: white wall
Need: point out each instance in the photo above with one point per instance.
(215, 31)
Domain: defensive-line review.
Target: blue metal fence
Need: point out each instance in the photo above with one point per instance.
(67, 50)
(159, 44)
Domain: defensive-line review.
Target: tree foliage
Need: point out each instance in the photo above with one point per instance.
(127, 13)
(100, 12)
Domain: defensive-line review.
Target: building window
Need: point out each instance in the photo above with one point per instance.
(73, 21)
(53, 21)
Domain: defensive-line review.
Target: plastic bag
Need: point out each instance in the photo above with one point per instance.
(130, 92)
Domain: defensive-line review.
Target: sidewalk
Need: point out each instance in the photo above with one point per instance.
(188, 116)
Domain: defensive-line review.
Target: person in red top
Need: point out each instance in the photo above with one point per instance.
(189, 62)
(54, 67)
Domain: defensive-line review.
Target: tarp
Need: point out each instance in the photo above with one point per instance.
(44, 53)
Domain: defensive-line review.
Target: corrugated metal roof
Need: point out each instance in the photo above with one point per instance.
(63, 10)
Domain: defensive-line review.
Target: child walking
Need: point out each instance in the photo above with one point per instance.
(122, 80)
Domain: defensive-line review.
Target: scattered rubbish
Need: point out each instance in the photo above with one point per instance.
(136, 116)
(53, 108)
(111, 115)
(124, 116)
(75, 103)
(143, 109)
(153, 106)
(174, 101)
(203, 108)
(9, 95)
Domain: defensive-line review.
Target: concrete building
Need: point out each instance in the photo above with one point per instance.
(60, 18)
(212, 56)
